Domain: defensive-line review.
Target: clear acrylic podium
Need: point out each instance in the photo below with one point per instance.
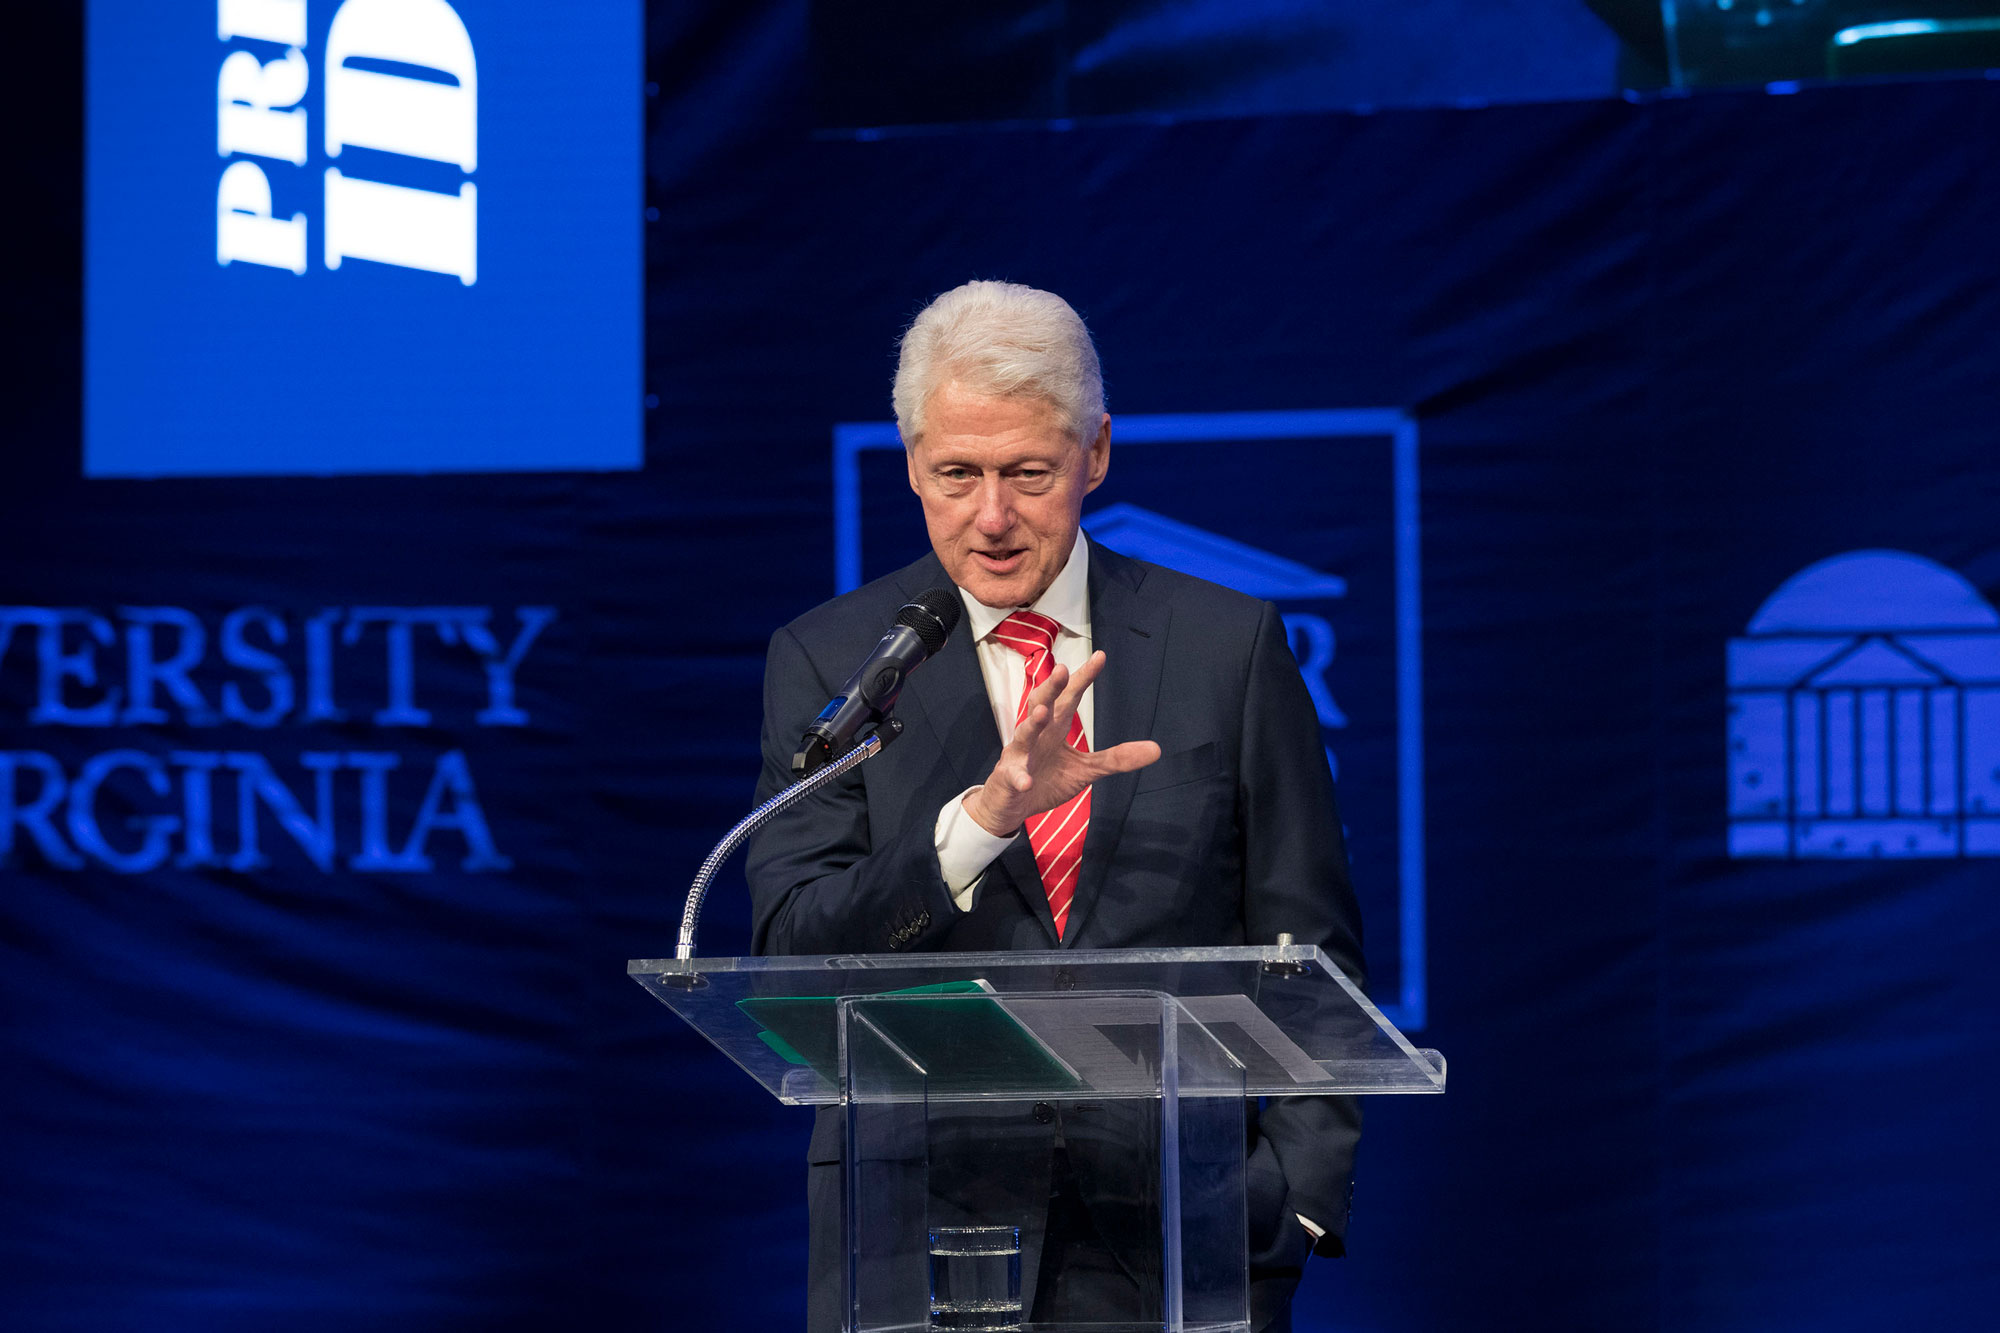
(1045, 1141)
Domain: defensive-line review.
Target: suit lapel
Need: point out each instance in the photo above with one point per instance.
(1131, 630)
(948, 695)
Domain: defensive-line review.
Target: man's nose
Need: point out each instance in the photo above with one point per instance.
(996, 507)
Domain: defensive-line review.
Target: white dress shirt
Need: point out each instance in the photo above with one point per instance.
(964, 848)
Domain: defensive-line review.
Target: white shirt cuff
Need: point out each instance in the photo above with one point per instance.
(964, 850)
(1310, 1225)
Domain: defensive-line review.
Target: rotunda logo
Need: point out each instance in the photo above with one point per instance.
(1864, 715)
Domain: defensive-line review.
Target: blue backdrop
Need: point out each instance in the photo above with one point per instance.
(401, 769)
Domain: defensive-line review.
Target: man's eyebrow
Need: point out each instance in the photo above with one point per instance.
(1053, 458)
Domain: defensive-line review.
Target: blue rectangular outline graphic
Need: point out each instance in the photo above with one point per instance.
(1410, 1010)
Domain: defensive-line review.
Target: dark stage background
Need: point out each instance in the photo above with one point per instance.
(1659, 356)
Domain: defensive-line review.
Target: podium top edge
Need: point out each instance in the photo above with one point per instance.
(1306, 954)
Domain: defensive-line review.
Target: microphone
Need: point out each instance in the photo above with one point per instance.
(920, 630)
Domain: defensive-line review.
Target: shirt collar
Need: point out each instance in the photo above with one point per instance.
(1067, 601)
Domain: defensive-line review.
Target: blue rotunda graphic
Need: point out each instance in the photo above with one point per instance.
(1864, 715)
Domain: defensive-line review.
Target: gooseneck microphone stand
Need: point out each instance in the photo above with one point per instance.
(886, 731)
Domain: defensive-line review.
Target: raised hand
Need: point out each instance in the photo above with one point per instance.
(1039, 770)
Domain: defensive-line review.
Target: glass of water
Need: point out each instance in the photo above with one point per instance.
(975, 1277)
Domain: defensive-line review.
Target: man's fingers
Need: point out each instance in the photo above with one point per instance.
(1124, 758)
(1072, 694)
(1029, 729)
(1046, 692)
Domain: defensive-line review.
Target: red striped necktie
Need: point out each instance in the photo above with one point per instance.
(1055, 835)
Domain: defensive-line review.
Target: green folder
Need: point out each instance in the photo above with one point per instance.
(965, 1045)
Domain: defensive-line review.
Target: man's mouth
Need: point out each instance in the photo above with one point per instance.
(1003, 561)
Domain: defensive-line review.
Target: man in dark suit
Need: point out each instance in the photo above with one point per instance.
(1105, 754)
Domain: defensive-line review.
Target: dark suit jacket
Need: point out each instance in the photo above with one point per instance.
(1230, 838)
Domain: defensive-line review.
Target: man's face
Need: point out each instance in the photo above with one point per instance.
(1002, 482)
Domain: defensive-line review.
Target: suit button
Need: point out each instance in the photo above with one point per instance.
(1044, 1113)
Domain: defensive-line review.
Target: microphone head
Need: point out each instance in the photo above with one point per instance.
(933, 614)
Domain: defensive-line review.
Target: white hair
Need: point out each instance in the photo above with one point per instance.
(1004, 340)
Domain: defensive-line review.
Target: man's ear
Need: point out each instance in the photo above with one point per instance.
(1100, 455)
(910, 463)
